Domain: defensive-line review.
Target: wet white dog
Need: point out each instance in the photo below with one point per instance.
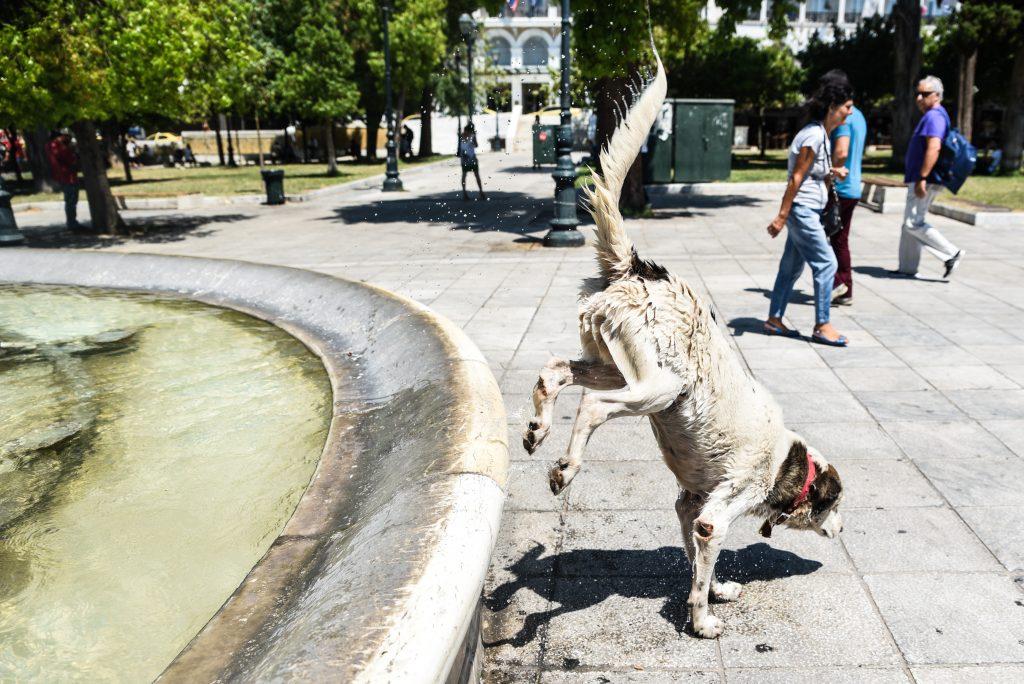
(652, 348)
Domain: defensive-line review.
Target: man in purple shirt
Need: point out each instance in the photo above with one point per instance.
(922, 153)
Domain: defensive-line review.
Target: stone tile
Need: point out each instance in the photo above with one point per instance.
(1002, 530)
(990, 404)
(527, 543)
(997, 354)
(922, 441)
(747, 556)
(943, 618)
(630, 676)
(985, 335)
(912, 336)
(529, 489)
(919, 357)
(619, 622)
(988, 674)
(508, 674)
(966, 377)
(623, 439)
(982, 481)
(914, 406)
(1010, 432)
(1013, 372)
(627, 485)
(848, 441)
(783, 357)
(830, 407)
(884, 484)
(882, 379)
(511, 614)
(859, 357)
(623, 543)
(802, 675)
(913, 540)
(798, 380)
(815, 620)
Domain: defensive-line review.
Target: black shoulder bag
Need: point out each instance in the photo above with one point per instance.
(831, 221)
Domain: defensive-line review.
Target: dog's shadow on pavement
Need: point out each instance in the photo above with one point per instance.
(586, 577)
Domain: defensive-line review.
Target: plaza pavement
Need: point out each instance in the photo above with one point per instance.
(923, 415)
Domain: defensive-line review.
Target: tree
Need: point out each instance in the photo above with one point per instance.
(906, 18)
(79, 64)
(863, 54)
(314, 74)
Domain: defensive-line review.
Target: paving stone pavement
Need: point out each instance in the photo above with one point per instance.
(923, 415)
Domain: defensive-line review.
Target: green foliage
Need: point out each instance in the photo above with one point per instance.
(866, 55)
(740, 68)
(313, 75)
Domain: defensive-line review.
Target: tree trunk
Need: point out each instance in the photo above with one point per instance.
(965, 93)
(399, 114)
(762, 132)
(305, 144)
(102, 207)
(372, 126)
(238, 141)
(218, 123)
(610, 93)
(231, 145)
(35, 144)
(332, 158)
(259, 140)
(1013, 117)
(426, 127)
(906, 16)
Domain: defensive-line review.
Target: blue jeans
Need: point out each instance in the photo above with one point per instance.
(805, 243)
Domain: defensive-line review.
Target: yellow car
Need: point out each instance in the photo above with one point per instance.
(159, 139)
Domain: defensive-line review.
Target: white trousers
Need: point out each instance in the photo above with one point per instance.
(917, 233)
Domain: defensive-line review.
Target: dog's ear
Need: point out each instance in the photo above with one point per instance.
(825, 490)
(766, 529)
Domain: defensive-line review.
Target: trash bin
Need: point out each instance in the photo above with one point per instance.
(544, 144)
(9, 233)
(273, 179)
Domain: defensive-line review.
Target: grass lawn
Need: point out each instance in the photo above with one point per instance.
(160, 181)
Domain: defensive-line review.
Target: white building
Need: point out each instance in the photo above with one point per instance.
(820, 15)
(524, 45)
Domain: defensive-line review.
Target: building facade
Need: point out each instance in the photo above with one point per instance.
(522, 44)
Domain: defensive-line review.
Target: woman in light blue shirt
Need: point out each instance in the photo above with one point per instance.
(802, 205)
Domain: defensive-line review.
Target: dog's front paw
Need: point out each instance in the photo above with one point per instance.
(726, 591)
(534, 435)
(560, 477)
(709, 628)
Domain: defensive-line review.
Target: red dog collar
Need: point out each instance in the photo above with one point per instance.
(811, 472)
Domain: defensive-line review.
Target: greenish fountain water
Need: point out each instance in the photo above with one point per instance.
(151, 450)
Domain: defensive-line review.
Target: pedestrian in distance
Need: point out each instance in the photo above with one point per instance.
(801, 211)
(919, 164)
(407, 137)
(467, 157)
(64, 166)
(847, 151)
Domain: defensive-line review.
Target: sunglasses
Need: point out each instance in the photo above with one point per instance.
(925, 93)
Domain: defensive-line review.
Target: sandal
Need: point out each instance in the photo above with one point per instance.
(821, 339)
(772, 329)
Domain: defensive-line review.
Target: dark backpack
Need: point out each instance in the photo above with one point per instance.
(956, 158)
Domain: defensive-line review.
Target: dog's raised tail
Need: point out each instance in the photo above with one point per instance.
(614, 248)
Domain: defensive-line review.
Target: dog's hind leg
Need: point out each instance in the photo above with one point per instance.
(651, 389)
(555, 376)
(688, 507)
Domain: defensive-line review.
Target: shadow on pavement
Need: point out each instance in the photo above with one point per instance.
(796, 297)
(144, 230)
(677, 205)
(884, 273)
(592, 579)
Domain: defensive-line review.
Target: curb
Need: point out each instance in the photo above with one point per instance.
(377, 575)
(982, 219)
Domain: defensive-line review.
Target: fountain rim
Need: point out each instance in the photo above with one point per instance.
(414, 646)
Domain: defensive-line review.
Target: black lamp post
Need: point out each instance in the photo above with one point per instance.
(468, 27)
(9, 233)
(563, 231)
(392, 182)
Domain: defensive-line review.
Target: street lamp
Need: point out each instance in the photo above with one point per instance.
(468, 27)
(563, 231)
(9, 233)
(392, 182)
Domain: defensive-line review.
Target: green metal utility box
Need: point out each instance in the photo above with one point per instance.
(544, 144)
(691, 142)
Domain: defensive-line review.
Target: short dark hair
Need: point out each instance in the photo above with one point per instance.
(830, 93)
(834, 75)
